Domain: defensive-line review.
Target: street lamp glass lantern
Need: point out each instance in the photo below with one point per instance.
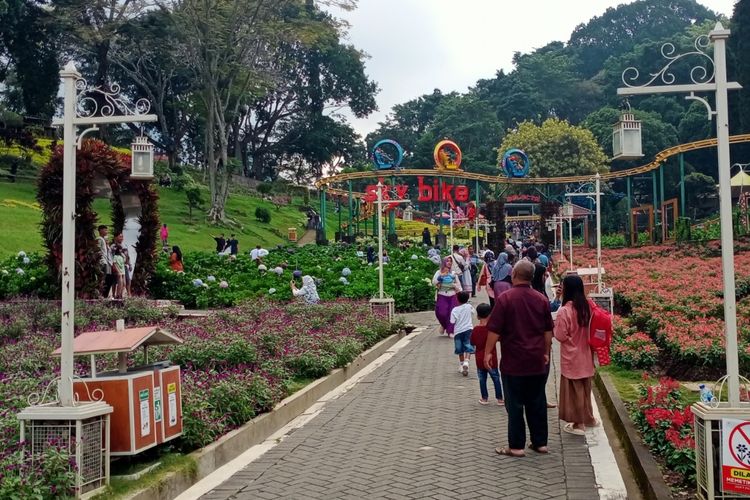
(142, 154)
(626, 138)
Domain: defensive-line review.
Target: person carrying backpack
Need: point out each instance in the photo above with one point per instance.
(572, 330)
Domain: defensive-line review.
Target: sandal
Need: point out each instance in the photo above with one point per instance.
(539, 449)
(551, 405)
(500, 402)
(509, 453)
(573, 430)
(483, 402)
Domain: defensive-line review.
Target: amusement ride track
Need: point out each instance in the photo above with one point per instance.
(660, 158)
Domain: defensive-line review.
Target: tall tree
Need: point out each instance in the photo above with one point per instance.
(556, 148)
(282, 116)
(30, 40)
(226, 42)
(147, 55)
(739, 44)
(621, 28)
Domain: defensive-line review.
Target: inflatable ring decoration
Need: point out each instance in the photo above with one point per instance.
(387, 154)
(447, 155)
(516, 163)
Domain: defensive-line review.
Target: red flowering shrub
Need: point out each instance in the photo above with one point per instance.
(635, 351)
(673, 296)
(667, 426)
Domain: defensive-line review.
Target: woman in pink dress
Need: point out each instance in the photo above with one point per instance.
(576, 358)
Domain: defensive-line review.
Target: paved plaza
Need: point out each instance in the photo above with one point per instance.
(413, 428)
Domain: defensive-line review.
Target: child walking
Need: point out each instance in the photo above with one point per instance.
(461, 318)
(478, 340)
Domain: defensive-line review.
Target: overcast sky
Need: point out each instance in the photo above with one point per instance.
(416, 46)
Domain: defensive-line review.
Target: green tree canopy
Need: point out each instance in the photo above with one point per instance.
(621, 28)
(556, 148)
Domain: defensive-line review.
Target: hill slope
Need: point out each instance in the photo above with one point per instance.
(20, 216)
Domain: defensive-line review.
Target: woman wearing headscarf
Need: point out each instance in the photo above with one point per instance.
(501, 271)
(466, 274)
(485, 277)
(447, 285)
(308, 292)
(576, 359)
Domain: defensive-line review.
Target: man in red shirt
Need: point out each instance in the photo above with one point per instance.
(522, 321)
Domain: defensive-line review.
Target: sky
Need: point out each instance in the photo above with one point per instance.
(416, 46)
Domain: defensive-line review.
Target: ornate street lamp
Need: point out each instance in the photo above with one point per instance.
(712, 417)
(142, 159)
(82, 426)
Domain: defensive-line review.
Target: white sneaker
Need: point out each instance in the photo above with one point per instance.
(465, 369)
(461, 368)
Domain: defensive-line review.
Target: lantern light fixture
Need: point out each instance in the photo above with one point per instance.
(142, 163)
(626, 138)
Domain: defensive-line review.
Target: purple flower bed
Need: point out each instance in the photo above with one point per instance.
(236, 364)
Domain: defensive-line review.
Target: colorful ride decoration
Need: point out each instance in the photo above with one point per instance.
(387, 154)
(516, 163)
(447, 156)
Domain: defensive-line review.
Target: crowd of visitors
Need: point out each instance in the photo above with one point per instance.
(522, 299)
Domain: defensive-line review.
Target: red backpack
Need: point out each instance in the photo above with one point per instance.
(600, 327)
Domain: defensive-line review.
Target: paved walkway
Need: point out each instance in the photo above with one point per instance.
(413, 429)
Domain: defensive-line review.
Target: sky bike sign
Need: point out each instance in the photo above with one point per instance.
(436, 191)
(735, 456)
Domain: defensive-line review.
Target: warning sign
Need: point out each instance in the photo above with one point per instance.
(735, 456)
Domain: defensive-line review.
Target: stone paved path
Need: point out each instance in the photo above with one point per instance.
(413, 429)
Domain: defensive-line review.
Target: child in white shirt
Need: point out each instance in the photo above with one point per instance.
(461, 318)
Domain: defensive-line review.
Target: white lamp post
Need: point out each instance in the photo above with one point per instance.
(713, 80)
(712, 418)
(380, 235)
(82, 427)
(83, 110)
(597, 193)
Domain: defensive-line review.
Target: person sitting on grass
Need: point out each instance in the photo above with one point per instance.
(461, 319)
(479, 341)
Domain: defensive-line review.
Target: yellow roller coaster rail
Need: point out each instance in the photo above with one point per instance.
(660, 158)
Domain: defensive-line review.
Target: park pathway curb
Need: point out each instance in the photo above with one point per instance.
(231, 445)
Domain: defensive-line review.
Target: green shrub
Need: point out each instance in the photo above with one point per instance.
(264, 188)
(263, 215)
(343, 350)
(220, 351)
(310, 364)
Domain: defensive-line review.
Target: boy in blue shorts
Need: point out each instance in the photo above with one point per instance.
(461, 318)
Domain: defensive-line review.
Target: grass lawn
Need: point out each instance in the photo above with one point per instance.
(20, 216)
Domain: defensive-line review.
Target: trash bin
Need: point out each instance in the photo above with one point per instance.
(146, 400)
(292, 233)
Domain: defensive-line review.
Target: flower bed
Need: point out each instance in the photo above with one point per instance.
(673, 296)
(236, 364)
(338, 270)
(666, 425)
